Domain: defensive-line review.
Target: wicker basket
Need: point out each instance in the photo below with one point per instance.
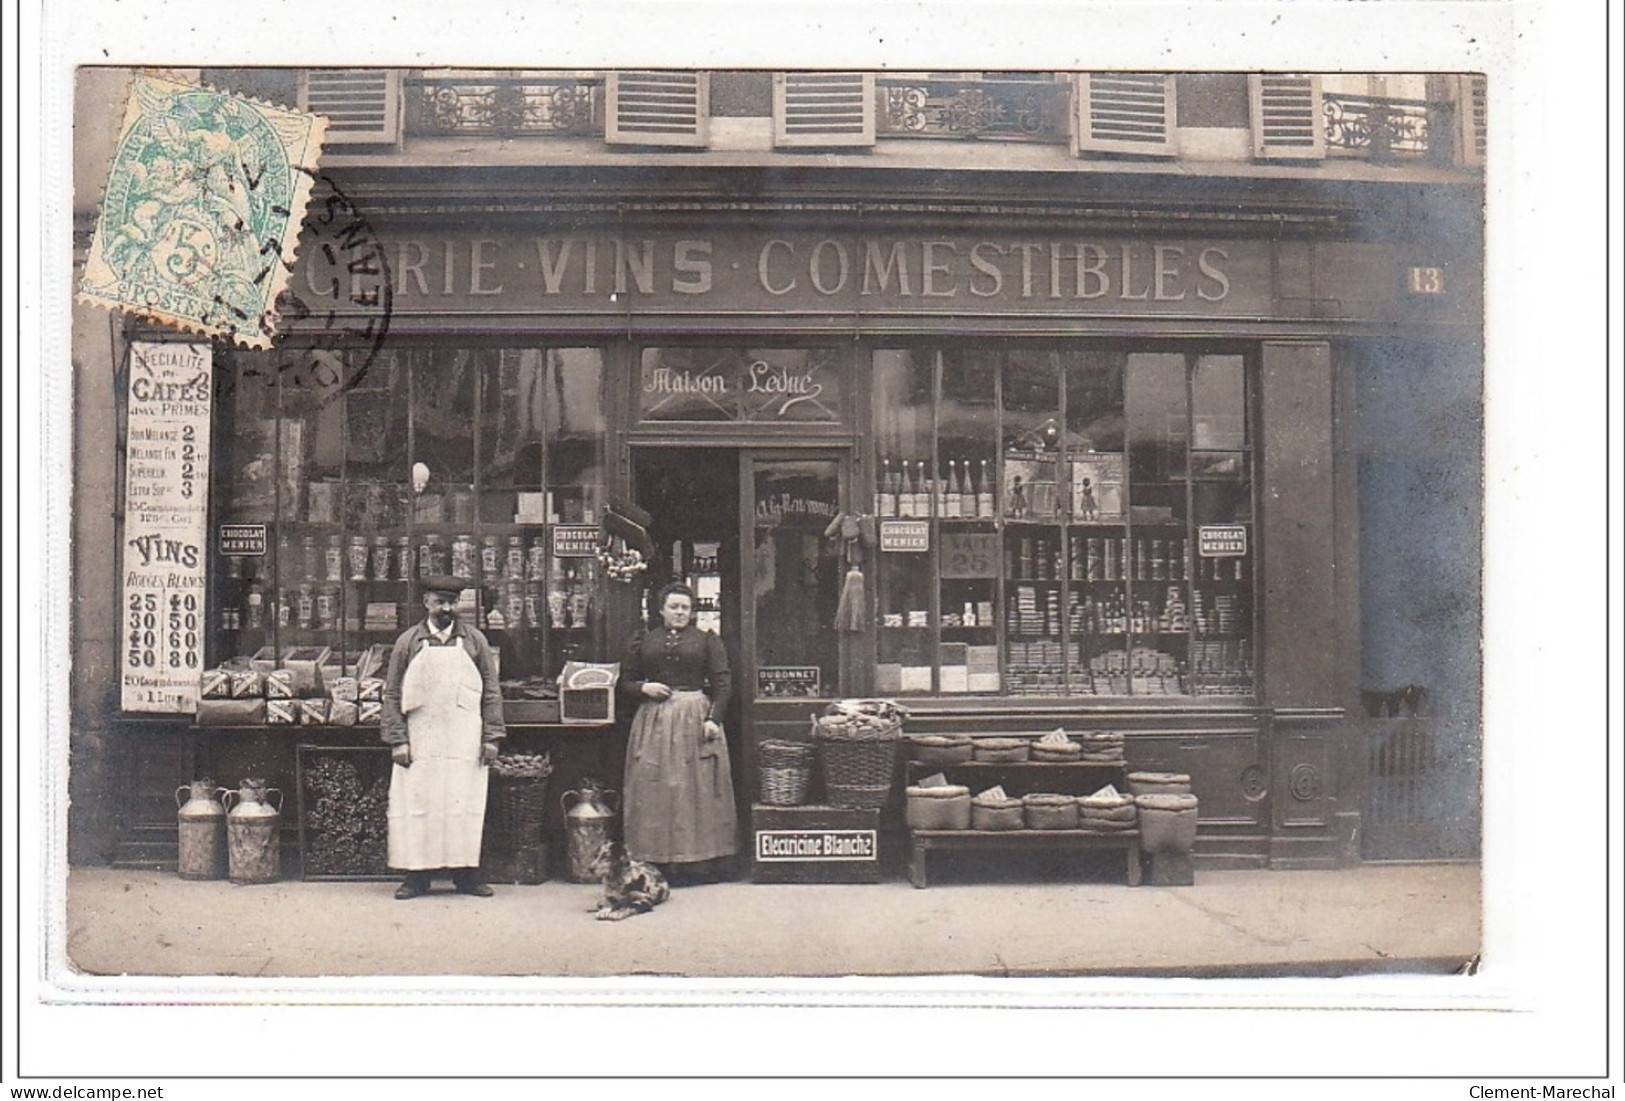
(518, 805)
(858, 765)
(785, 787)
(940, 808)
(1050, 812)
(782, 753)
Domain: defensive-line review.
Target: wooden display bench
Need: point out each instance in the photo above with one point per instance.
(1024, 778)
(925, 841)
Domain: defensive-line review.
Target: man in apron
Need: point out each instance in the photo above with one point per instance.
(442, 719)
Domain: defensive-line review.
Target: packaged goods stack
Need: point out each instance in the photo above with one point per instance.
(299, 688)
(1101, 747)
(1107, 811)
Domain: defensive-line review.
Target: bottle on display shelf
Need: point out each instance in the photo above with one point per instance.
(327, 608)
(305, 607)
(536, 559)
(984, 494)
(462, 556)
(334, 558)
(405, 560)
(928, 504)
(885, 491)
(490, 556)
(967, 495)
(950, 493)
(905, 494)
(310, 564)
(1159, 561)
(514, 563)
(381, 558)
(256, 606)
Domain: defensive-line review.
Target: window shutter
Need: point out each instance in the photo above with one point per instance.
(1472, 106)
(657, 108)
(1287, 116)
(1124, 113)
(362, 106)
(823, 109)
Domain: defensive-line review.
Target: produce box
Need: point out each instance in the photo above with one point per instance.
(814, 845)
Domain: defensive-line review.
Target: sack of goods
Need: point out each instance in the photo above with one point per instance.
(1056, 746)
(1167, 822)
(941, 749)
(994, 810)
(1159, 783)
(1101, 748)
(937, 806)
(1107, 811)
(1002, 750)
(1050, 812)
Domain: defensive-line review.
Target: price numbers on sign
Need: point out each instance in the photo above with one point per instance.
(970, 554)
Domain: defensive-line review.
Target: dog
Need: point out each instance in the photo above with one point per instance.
(629, 886)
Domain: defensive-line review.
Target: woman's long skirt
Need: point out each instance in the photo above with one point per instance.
(678, 794)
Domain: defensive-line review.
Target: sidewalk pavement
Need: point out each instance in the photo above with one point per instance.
(1407, 918)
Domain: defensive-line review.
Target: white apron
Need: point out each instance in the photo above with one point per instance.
(437, 806)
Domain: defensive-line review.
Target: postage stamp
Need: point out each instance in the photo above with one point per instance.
(201, 213)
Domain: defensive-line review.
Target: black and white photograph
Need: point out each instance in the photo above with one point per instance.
(930, 531)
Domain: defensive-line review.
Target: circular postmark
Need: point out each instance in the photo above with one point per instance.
(332, 318)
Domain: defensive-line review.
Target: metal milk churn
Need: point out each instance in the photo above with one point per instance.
(587, 824)
(202, 829)
(252, 829)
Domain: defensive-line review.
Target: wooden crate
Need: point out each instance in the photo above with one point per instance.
(814, 844)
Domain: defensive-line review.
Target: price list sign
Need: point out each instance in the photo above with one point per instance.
(166, 512)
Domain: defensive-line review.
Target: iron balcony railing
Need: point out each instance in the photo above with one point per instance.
(504, 106)
(1387, 128)
(1020, 110)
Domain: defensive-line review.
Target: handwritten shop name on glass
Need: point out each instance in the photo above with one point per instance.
(778, 388)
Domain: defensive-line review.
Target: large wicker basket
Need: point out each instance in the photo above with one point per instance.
(518, 805)
(786, 771)
(859, 763)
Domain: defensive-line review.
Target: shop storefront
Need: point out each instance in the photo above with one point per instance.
(1093, 452)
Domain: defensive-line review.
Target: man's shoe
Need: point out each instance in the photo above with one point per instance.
(478, 890)
(410, 889)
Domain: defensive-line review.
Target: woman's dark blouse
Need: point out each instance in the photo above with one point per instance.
(685, 660)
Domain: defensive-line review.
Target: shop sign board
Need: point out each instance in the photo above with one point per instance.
(1221, 540)
(970, 554)
(242, 540)
(788, 681)
(575, 540)
(166, 518)
(819, 845)
(905, 536)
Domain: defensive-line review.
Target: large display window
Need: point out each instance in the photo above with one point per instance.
(1064, 521)
(485, 463)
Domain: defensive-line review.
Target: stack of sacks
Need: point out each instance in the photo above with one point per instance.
(1102, 748)
(1107, 811)
(1002, 749)
(1056, 746)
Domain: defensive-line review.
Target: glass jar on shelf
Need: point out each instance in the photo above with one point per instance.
(358, 556)
(381, 558)
(333, 558)
(462, 556)
(491, 556)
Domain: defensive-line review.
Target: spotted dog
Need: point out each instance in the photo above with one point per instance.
(630, 886)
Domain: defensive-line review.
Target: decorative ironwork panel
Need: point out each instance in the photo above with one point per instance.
(505, 107)
(1015, 110)
(1386, 128)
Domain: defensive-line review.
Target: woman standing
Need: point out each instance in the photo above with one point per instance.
(678, 790)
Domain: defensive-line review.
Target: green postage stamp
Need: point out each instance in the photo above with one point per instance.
(202, 209)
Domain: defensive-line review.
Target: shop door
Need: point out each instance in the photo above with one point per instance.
(791, 649)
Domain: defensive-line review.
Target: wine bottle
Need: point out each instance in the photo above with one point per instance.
(984, 494)
(886, 493)
(950, 493)
(925, 490)
(905, 493)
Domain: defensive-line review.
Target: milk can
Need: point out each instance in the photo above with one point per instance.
(587, 823)
(252, 833)
(202, 828)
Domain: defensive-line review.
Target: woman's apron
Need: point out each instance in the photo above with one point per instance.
(437, 806)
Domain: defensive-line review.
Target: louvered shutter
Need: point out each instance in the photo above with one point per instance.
(1288, 122)
(1124, 113)
(657, 108)
(1472, 107)
(362, 106)
(823, 109)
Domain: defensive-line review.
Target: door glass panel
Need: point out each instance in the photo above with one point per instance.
(798, 576)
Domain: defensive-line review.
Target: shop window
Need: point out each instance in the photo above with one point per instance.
(480, 462)
(1063, 522)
